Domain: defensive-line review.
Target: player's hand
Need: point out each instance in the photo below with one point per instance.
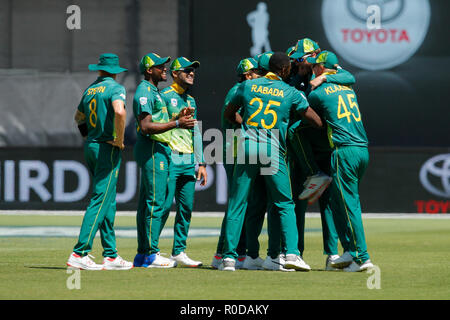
(117, 143)
(201, 174)
(186, 111)
(318, 81)
(186, 122)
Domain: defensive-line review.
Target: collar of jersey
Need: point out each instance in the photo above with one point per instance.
(272, 76)
(150, 84)
(104, 78)
(178, 89)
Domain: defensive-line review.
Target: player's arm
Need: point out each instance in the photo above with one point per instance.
(231, 114)
(233, 111)
(342, 77)
(80, 120)
(312, 117)
(202, 175)
(120, 117)
(149, 127)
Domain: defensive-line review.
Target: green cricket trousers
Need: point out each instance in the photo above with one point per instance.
(181, 185)
(279, 195)
(153, 158)
(242, 246)
(103, 161)
(305, 162)
(348, 164)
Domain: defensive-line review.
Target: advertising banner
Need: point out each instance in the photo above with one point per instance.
(396, 181)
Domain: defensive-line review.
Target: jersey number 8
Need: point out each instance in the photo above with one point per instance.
(92, 113)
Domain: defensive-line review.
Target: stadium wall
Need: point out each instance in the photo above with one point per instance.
(396, 181)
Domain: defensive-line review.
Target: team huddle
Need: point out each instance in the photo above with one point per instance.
(297, 108)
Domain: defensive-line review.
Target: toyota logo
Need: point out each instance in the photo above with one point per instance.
(403, 27)
(390, 9)
(435, 175)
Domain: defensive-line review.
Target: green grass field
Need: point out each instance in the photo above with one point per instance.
(413, 256)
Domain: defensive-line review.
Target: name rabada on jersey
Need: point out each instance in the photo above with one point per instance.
(265, 90)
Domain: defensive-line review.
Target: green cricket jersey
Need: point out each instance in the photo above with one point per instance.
(96, 105)
(183, 140)
(338, 105)
(267, 104)
(318, 138)
(147, 99)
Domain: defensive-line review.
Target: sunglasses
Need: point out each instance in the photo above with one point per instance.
(303, 58)
(160, 67)
(188, 70)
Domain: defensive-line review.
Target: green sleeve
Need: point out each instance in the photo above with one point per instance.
(119, 93)
(236, 98)
(342, 77)
(197, 139)
(144, 102)
(299, 103)
(198, 145)
(167, 97)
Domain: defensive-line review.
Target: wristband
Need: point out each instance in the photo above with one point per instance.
(202, 165)
(177, 123)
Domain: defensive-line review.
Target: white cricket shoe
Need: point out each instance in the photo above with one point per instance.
(354, 267)
(240, 262)
(183, 260)
(227, 264)
(294, 261)
(161, 262)
(216, 261)
(343, 261)
(276, 264)
(84, 263)
(253, 264)
(315, 183)
(328, 266)
(116, 263)
(316, 195)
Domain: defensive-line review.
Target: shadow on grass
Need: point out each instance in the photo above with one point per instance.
(46, 267)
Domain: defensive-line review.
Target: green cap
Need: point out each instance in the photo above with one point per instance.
(150, 60)
(181, 63)
(328, 58)
(108, 62)
(304, 46)
(263, 59)
(246, 65)
(290, 50)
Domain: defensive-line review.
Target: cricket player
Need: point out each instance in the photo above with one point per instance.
(187, 151)
(338, 105)
(317, 181)
(258, 204)
(101, 119)
(259, 99)
(247, 69)
(310, 153)
(153, 155)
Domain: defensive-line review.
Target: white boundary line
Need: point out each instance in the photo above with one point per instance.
(217, 214)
